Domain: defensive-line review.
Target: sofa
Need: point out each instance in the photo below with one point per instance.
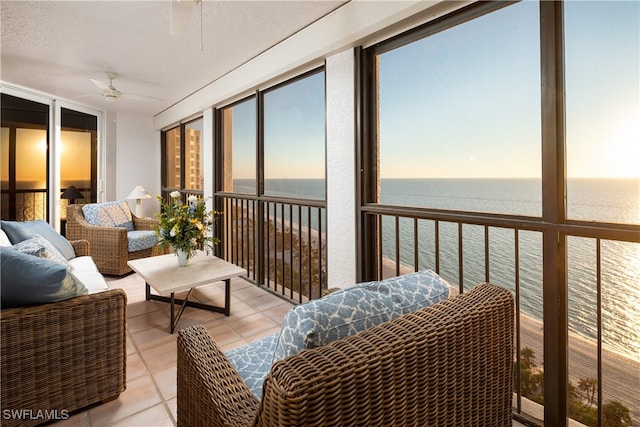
(63, 331)
(441, 362)
(114, 234)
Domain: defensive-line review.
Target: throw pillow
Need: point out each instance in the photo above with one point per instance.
(42, 248)
(109, 214)
(22, 230)
(27, 280)
(357, 308)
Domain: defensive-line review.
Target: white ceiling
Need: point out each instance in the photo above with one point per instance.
(56, 47)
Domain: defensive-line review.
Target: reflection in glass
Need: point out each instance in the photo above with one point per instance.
(172, 158)
(194, 171)
(239, 142)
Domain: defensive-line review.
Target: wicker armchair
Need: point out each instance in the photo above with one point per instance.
(108, 244)
(448, 364)
(60, 357)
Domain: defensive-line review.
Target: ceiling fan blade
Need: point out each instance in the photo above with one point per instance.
(180, 14)
(141, 97)
(103, 86)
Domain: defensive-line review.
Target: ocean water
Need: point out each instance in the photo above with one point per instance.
(605, 200)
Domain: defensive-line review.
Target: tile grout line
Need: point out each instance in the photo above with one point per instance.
(153, 380)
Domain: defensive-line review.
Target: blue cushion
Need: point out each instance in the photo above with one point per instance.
(350, 310)
(26, 280)
(253, 361)
(109, 214)
(141, 239)
(42, 248)
(17, 231)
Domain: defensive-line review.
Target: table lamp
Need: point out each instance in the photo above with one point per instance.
(138, 194)
(71, 194)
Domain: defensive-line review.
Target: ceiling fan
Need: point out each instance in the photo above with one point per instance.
(110, 93)
(181, 14)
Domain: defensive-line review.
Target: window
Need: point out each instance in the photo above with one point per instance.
(271, 153)
(183, 167)
(239, 142)
(25, 158)
(459, 116)
(603, 110)
(294, 138)
(172, 158)
(466, 172)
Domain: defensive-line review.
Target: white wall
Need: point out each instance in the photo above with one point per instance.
(137, 157)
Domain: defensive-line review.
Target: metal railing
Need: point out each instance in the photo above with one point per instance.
(279, 241)
(24, 205)
(467, 248)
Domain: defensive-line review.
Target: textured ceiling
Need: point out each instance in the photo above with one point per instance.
(57, 46)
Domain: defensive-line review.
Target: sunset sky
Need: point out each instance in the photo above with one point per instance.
(466, 102)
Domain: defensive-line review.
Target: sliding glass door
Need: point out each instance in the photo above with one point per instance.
(25, 154)
(39, 165)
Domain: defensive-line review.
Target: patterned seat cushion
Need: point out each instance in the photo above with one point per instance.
(356, 308)
(141, 239)
(109, 214)
(253, 362)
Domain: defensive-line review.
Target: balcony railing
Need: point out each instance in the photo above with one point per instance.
(469, 248)
(280, 241)
(24, 205)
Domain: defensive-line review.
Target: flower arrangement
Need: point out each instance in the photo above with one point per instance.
(186, 227)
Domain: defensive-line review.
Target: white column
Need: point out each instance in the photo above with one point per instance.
(341, 173)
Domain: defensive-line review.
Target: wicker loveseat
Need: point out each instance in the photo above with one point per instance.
(448, 364)
(110, 244)
(62, 356)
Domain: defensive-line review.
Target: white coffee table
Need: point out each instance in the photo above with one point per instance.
(163, 274)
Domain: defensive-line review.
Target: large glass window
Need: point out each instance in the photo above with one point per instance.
(172, 159)
(271, 150)
(194, 173)
(183, 167)
(294, 139)
(459, 117)
(602, 78)
(603, 110)
(25, 149)
(472, 114)
(239, 147)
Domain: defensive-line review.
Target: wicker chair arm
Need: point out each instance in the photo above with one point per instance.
(81, 247)
(144, 223)
(210, 390)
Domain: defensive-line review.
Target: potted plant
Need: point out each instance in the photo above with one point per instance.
(186, 227)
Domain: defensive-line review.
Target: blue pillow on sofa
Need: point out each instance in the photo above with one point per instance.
(17, 231)
(27, 280)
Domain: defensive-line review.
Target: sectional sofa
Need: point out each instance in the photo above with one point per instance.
(63, 331)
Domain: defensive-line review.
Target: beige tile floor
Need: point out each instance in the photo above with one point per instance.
(150, 397)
